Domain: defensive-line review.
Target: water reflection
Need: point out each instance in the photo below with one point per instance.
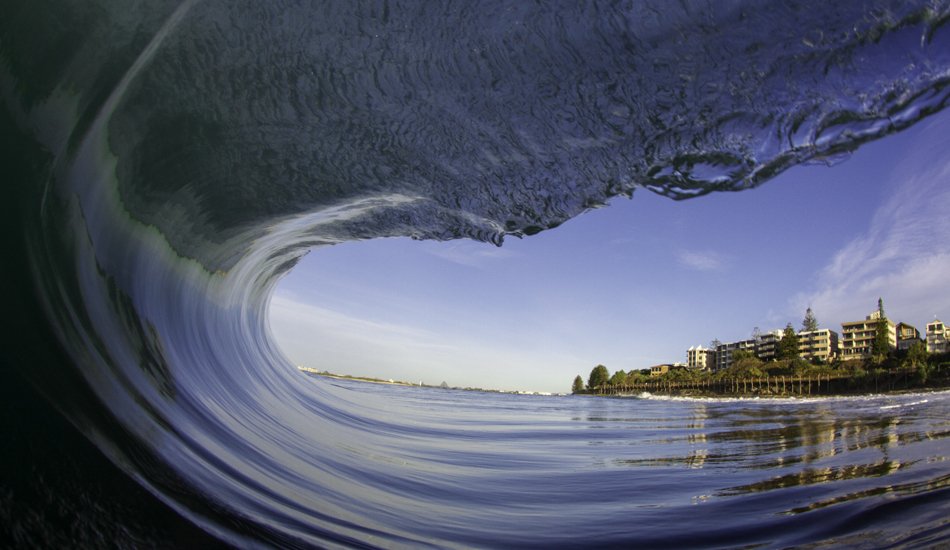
(906, 489)
(778, 457)
(826, 442)
(812, 476)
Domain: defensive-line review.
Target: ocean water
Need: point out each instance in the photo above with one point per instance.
(166, 163)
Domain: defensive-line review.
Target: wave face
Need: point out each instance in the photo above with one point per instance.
(174, 159)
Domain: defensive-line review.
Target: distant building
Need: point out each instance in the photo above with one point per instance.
(906, 335)
(766, 344)
(698, 358)
(724, 352)
(821, 344)
(659, 370)
(857, 337)
(937, 337)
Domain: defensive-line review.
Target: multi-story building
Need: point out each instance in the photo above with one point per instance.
(700, 359)
(906, 335)
(724, 352)
(857, 337)
(937, 334)
(821, 344)
(766, 344)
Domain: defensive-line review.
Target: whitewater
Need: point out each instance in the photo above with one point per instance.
(166, 163)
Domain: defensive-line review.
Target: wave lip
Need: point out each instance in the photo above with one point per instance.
(293, 114)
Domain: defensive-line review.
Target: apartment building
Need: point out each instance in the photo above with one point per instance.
(766, 344)
(821, 344)
(906, 336)
(937, 337)
(857, 337)
(724, 352)
(698, 358)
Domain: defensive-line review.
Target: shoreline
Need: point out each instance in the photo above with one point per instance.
(359, 378)
(700, 394)
(774, 381)
(400, 383)
(687, 392)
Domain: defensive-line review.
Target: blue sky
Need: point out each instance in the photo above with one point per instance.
(635, 284)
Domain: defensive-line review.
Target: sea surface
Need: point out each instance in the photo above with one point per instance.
(164, 163)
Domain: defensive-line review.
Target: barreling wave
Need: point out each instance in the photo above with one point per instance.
(191, 152)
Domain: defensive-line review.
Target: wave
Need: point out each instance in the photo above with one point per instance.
(170, 161)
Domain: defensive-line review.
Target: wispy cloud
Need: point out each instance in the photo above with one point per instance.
(299, 325)
(470, 253)
(903, 256)
(701, 261)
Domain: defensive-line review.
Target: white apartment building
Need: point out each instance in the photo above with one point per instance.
(857, 337)
(937, 334)
(822, 343)
(698, 358)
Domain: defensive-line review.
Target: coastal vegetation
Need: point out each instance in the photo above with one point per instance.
(788, 345)
(903, 370)
(809, 323)
(598, 377)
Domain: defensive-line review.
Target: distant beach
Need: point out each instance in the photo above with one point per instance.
(443, 385)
